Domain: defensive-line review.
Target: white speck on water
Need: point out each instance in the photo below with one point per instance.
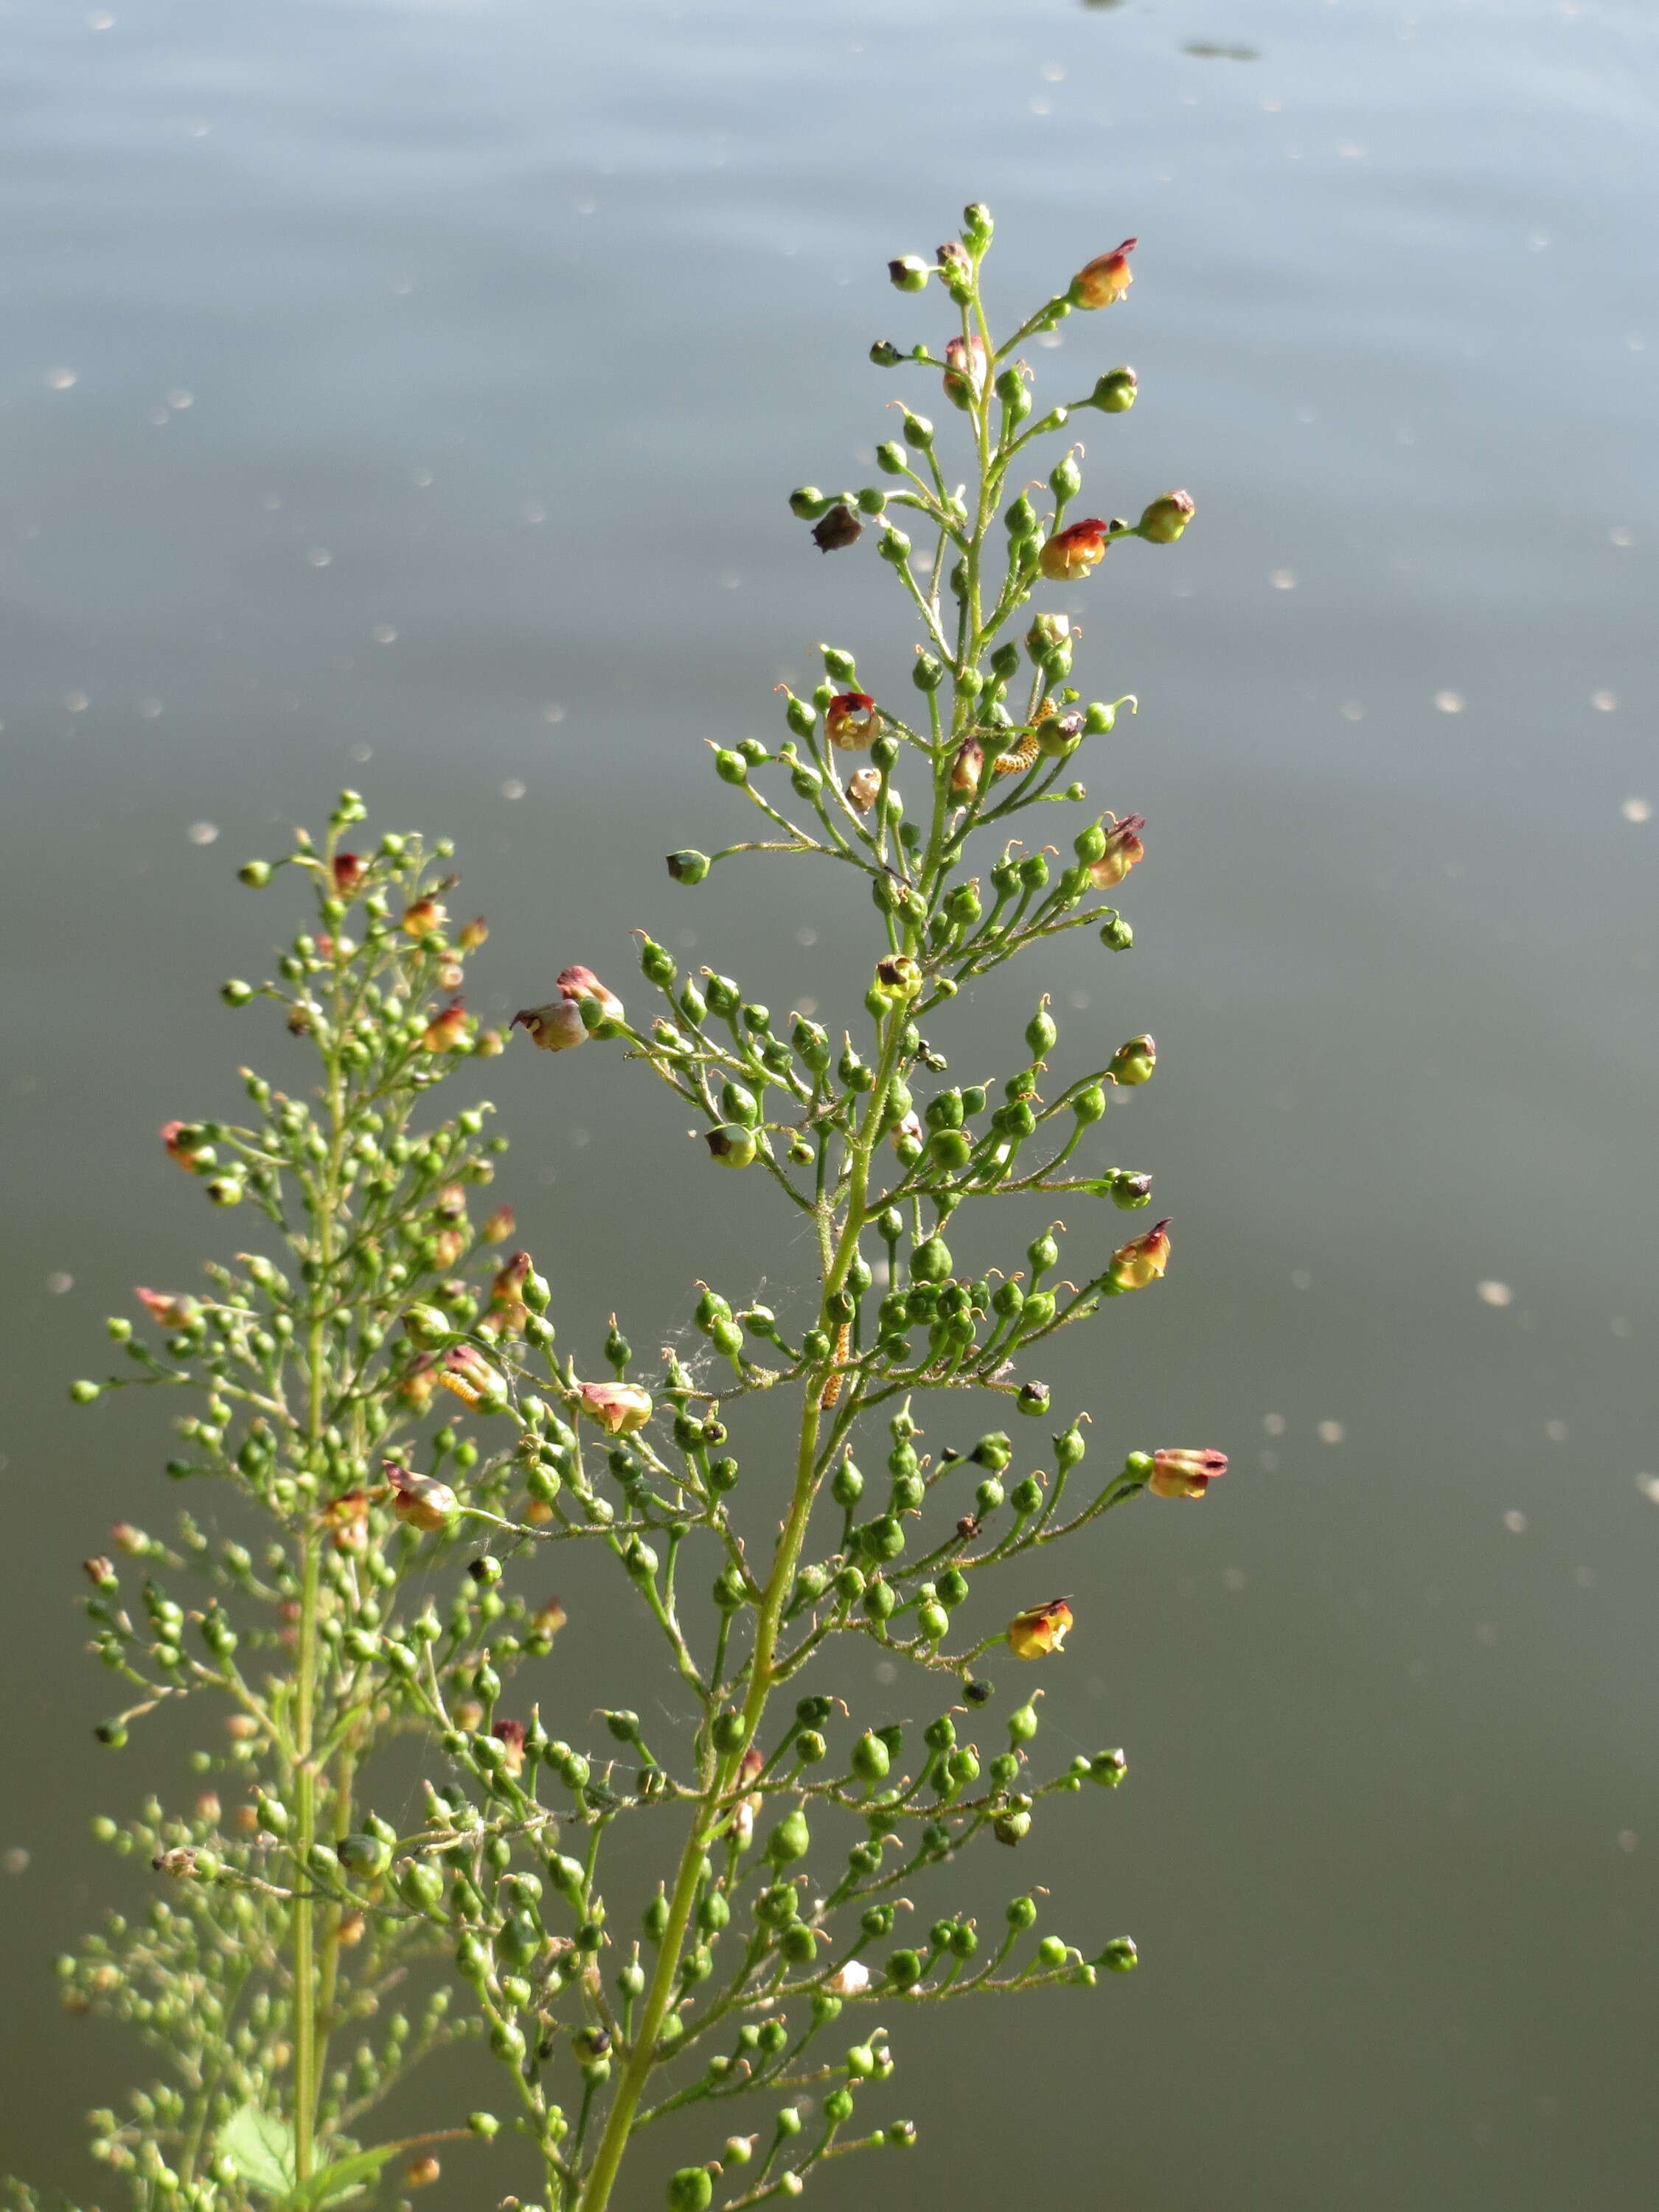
(1301, 1279)
(806, 1008)
(1353, 711)
(421, 479)
(61, 380)
(159, 417)
(59, 1284)
(579, 1136)
(1628, 1839)
(1078, 1001)
(730, 580)
(806, 937)
(15, 1861)
(179, 399)
(1449, 702)
(1494, 1294)
(533, 511)
(886, 1672)
(101, 22)
(360, 753)
(1040, 107)
(200, 129)
(513, 788)
(1635, 342)
(1621, 1326)
(687, 940)
(383, 633)
(1621, 534)
(203, 833)
(1274, 1424)
(1282, 580)
(1537, 240)
(319, 555)
(1637, 810)
(75, 702)
(1233, 1578)
(1515, 1522)
(1556, 1431)
(1332, 1432)
(1053, 72)
(1049, 341)
(553, 712)
(1648, 1487)
(585, 206)
(1604, 702)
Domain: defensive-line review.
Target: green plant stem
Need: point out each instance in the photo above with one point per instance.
(718, 1774)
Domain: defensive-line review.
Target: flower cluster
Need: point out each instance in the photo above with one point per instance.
(417, 1417)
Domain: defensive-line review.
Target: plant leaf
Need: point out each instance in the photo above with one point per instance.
(263, 2147)
(344, 2177)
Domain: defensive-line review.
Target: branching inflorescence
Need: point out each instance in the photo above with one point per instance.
(384, 1387)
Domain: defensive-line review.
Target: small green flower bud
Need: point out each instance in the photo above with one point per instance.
(483, 2124)
(883, 1540)
(1115, 392)
(83, 1393)
(1005, 1771)
(1066, 479)
(815, 1347)
(690, 2189)
(791, 1839)
(1120, 1956)
(927, 674)
(1051, 1952)
(1022, 1724)
(1165, 519)
(1107, 1768)
(730, 767)
(235, 992)
(879, 1599)
(931, 1262)
(1013, 1827)
(909, 273)
(808, 503)
(1033, 1399)
(891, 456)
(1116, 934)
(689, 867)
(904, 1969)
(885, 353)
(895, 547)
(1041, 1031)
(846, 1484)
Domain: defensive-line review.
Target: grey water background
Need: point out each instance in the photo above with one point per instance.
(407, 395)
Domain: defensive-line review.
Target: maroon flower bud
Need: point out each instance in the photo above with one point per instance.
(346, 1519)
(510, 1735)
(555, 1027)
(618, 1408)
(1141, 1261)
(850, 720)
(447, 1031)
(1103, 281)
(417, 1500)
(1123, 850)
(470, 1377)
(1185, 1473)
(350, 869)
(423, 917)
(1071, 554)
(841, 526)
(1042, 1629)
(967, 369)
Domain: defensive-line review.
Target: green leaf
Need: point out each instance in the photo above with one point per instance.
(263, 2147)
(346, 2177)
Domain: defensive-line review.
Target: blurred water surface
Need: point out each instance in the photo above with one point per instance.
(406, 394)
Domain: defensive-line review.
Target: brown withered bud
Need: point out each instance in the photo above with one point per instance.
(862, 789)
(841, 526)
(100, 1572)
(450, 1203)
(350, 1929)
(350, 869)
(498, 1225)
(473, 934)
